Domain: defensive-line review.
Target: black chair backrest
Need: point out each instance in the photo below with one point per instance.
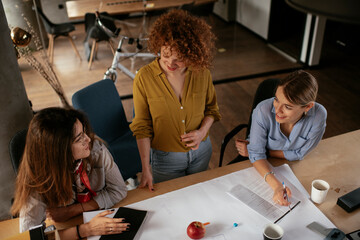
(47, 23)
(265, 90)
(16, 148)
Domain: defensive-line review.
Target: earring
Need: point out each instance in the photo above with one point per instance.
(305, 113)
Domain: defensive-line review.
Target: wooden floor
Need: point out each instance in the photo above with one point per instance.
(243, 54)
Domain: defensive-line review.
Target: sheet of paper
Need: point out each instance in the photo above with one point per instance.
(285, 170)
(262, 204)
(258, 196)
(209, 202)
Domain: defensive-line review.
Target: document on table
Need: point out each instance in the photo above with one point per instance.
(258, 196)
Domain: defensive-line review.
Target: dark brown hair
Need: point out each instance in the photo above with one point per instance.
(189, 36)
(300, 88)
(47, 166)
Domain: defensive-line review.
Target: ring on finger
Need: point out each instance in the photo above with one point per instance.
(111, 229)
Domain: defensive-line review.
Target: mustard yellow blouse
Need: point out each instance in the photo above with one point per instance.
(160, 116)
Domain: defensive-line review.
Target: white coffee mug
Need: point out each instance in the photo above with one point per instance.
(319, 190)
(273, 231)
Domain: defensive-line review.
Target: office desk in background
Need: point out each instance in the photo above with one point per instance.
(78, 9)
(335, 160)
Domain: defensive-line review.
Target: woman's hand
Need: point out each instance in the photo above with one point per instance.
(146, 179)
(241, 146)
(280, 196)
(192, 139)
(101, 225)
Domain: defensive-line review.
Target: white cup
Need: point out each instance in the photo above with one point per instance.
(273, 231)
(319, 190)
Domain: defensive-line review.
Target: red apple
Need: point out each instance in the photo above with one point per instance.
(196, 230)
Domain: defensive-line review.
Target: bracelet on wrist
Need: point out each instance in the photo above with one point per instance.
(266, 174)
(78, 232)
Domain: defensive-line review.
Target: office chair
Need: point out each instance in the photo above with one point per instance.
(16, 148)
(55, 30)
(265, 90)
(95, 32)
(102, 104)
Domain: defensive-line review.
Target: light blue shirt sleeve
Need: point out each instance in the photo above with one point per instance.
(259, 131)
(266, 134)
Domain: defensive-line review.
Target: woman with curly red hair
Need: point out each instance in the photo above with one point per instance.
(175, 100)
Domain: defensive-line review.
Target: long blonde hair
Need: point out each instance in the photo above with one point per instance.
(47, 165)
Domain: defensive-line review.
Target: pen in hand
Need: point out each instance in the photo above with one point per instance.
(285, 194)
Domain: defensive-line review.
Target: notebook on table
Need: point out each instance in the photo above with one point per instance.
(133, 216)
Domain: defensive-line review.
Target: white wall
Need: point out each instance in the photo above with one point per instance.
(255, 15)
(55, 10)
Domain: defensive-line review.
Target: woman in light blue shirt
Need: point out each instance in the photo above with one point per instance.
(287, 126)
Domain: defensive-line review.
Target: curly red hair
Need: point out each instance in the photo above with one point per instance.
(189, 36)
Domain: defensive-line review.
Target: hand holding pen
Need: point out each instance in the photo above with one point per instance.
(282, 195)
(285, 194)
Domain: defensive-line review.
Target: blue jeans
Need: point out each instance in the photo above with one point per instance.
(169, 165)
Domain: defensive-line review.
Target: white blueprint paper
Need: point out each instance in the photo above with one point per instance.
(209, 202)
